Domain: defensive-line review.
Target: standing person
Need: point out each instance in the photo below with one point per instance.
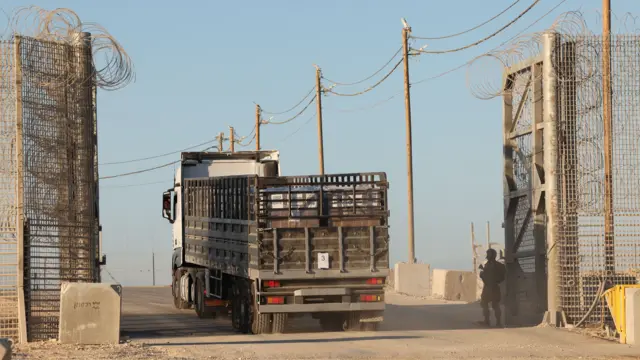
(492, 275)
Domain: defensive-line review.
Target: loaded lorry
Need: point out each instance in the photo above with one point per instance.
(264, 248)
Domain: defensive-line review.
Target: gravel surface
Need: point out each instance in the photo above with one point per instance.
(413, 329)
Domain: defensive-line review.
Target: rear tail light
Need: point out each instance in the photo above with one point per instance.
(375, 281)
(275, 300)
(271, 283)
(370, 298)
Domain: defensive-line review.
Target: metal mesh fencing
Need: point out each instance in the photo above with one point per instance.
(59, 176)
(9, 318)
(47, 97)
(577, 61)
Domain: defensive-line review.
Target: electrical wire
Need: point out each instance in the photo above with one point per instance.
(293, 117)
(148, 169)
(291, 108)
(484, 39)
(300, 127)
(371, 87)
(132, 185)
(371, 106)
(371, 76)
(157, 156)
(471, 29)
(488, 52)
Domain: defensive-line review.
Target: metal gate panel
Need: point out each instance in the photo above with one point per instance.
(524, 221)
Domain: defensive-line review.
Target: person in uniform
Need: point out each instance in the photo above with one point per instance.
(492, 274)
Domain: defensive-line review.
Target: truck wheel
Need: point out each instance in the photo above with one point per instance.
(353, 322)
(177, 299)
(240, 312)
(370, 326)
(199, 305)
(332, 322)
(279, 323)
(260, 323)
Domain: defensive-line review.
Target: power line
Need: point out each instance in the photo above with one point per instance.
(291, 108)
(371, 106)
(158, 156)
(293, 117)
(484, 39)
(495, 48)
(371, 76)
(132, 185)
(300, 127)
(148, 169)
(139, 171)
(371, 87)
(471, 29)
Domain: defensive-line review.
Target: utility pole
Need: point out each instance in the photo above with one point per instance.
(220, 141)
(232, 144)
(153, 267)
(406, 30)
(473, 249)
(319, 105)
(258, 123)
(609, 247)
(488, 235)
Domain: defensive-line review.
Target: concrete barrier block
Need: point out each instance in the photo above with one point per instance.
(90, 313)
(412, 279)
(455, 285)
(632, 315)
(391, 279)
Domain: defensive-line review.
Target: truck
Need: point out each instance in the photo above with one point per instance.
(262, 248)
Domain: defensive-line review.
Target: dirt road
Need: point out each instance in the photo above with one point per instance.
(413, 329)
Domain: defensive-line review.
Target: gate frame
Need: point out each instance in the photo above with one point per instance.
(541, 191)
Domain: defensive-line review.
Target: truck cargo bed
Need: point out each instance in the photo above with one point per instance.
(284, 226)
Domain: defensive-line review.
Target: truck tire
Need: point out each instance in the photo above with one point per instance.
(199, 305)
(353, 322)
(280, 323)
(332, 322)
(241, 308)
(260, 323)
(370, 326)
(177, 299)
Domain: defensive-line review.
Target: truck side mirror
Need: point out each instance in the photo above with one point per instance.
(167, 212)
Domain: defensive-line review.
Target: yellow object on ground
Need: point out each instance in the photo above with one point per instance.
(616, 301)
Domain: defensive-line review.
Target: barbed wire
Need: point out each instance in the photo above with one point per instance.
(371, 87)
(291, 108)
(112, 66)
(485, 38)
(471, 29)
(369, 77)
(291, 118)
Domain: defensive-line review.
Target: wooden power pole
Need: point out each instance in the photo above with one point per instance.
(220, 142)
(609, 247)
(258, 123)
(319, 105)
(406, 30)
(232, 139)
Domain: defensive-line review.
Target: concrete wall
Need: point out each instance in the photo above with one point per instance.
(455, 285)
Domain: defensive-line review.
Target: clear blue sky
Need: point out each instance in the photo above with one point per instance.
(200, 67)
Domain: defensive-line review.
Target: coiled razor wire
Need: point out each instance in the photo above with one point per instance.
(112, 65)
(484, 72)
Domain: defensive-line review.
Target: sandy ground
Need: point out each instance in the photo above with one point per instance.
(413, 329)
